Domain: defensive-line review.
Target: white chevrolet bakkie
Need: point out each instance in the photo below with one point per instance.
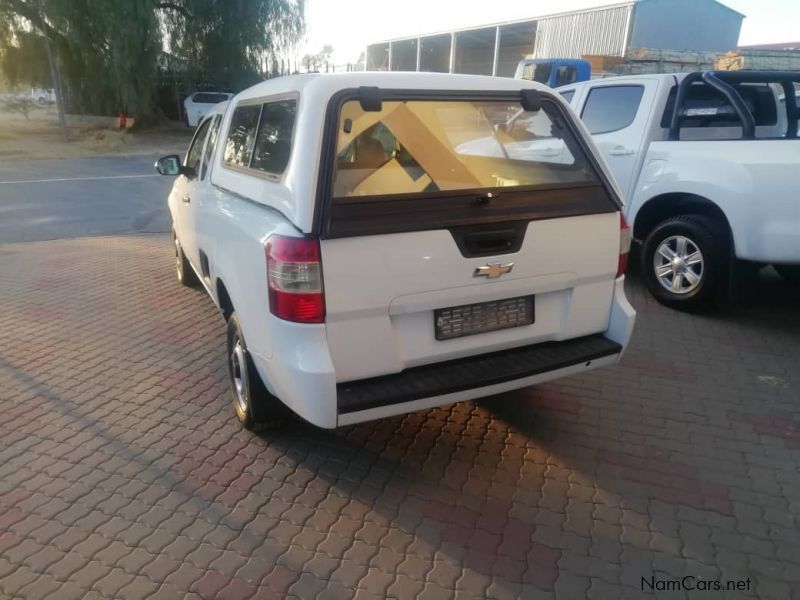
(370, 260)
(708, 162)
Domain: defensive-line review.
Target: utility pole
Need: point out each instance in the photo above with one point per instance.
(62, 122)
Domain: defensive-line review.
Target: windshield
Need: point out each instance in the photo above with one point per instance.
(537, 72)
(428, 146)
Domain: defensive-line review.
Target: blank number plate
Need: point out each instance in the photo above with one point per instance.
(470, 319)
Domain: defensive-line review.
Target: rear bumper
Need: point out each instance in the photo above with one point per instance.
(302, 375)
(472, 372)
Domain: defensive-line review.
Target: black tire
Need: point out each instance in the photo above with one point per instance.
(790, 273)
(183, 268)
(254, 406)
(698, 284)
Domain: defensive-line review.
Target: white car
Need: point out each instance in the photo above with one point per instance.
(708, 163)
(197, 105)
(367, 268)
(43, 96)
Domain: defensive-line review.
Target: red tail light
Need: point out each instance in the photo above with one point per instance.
(624, 245)
(294, 278)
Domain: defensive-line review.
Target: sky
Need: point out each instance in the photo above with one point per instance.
(349, 25)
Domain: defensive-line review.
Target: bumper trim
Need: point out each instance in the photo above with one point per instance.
(470, 372)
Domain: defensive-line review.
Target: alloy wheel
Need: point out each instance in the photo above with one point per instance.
(239, 370)
(678, 264)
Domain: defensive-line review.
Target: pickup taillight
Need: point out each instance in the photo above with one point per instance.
(624, 245)
(294, 279)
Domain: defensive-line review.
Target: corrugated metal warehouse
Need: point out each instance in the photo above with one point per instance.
(696, 25)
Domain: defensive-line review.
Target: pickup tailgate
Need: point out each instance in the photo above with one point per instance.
(461, 227)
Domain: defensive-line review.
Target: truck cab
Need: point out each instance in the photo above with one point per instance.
(707, 162)
(554, 72)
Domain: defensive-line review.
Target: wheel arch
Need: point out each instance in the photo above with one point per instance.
(663, 206)
(223, 299)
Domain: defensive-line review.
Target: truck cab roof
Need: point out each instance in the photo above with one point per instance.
(324, 85)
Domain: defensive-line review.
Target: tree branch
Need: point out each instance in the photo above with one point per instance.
(31, 13)
(176, 7)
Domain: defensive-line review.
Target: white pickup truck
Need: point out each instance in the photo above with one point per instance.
(708, 163)
(374, 266)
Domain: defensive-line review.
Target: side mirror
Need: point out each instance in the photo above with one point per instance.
(169, 165)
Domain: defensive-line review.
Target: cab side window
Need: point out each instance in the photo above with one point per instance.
(210, 145)
(611, 108)
(260, 137)
(242, 135)
(195, 154)
(274, 140)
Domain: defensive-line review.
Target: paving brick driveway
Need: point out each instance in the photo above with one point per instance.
(124, 474)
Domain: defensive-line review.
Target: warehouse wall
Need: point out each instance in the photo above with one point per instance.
(475, 51)
(435, 53)
(404, 55)
(698, 25)
(597, 31)
(681, 25)
(377, 58)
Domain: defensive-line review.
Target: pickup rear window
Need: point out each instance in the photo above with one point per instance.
(430, 146)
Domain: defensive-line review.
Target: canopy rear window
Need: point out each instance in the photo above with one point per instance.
(208, 98)
(429, 146)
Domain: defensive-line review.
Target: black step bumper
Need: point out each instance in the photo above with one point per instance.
(471, 372)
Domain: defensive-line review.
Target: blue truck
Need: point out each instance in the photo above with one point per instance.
(554, 72)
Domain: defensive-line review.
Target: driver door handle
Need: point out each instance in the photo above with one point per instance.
(186, 199)
(620, 151)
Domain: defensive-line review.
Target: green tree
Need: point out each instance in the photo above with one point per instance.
(316, 62)
(25, 61)
(231, 42)
(107, 51)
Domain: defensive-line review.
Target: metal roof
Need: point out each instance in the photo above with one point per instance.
(504, 23)
(601, 7)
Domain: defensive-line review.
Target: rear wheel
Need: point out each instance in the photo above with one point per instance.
(684, 261)
(186, 275)
(254, 406)
(790, 273)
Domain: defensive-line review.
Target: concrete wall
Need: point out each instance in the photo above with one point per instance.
(699, 25)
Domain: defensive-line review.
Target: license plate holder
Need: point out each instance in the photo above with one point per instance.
(483, 317)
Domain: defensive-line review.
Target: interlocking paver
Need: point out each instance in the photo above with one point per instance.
(123, 472)
(66, 566)
(15, 581)
(69, 591)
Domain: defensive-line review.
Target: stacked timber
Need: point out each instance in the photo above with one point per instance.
(759, 60)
